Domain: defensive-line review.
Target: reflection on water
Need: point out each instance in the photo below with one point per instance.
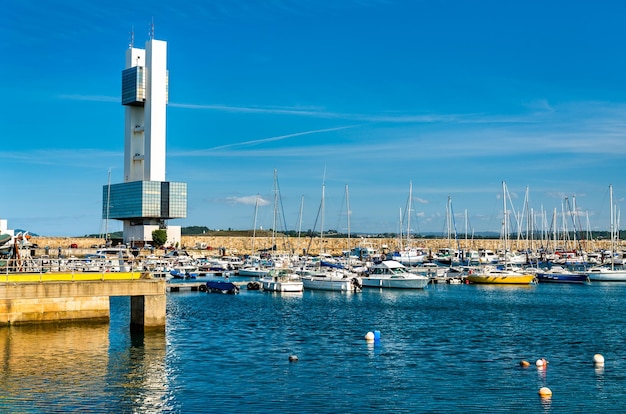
(72, 367)
(52, 362)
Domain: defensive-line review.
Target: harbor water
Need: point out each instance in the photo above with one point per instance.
(448, 348)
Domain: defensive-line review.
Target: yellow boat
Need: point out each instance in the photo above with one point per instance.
(501, 277)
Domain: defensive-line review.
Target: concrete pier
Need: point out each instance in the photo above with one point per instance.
(28, 302)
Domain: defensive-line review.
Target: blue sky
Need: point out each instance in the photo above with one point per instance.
(453, 96)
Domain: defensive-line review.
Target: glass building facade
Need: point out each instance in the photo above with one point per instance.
(133, 86)
(144, 199)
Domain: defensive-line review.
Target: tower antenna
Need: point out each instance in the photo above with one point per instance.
(151, 34)
(131, 44)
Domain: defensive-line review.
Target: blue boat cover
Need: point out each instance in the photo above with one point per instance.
(334, 265)
(219, 285)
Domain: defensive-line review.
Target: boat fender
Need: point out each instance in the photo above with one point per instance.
(202, 288)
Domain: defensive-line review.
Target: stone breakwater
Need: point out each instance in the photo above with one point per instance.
(215, 245)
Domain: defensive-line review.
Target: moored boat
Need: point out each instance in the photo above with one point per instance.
(333, 280)
(392, 274)
(218, 286)
(606, 274)
(253, 271)
(282, 280)
(496, 276)
(558, 274)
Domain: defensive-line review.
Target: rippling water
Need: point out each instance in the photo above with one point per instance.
(448, 348)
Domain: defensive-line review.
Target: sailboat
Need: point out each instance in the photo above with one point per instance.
(253, 267)
(560, 274)
(336, 277)
(502, 275)
(280, 279)
(409, 255)
(609, 273)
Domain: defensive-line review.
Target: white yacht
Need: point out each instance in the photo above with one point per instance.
(392, 274)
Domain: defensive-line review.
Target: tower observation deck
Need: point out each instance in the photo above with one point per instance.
(145, 200)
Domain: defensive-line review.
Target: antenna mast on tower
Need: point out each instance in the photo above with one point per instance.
(151, 33)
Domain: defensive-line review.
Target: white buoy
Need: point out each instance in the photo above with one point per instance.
(598, 359)
(545, 392)
(293, 358)
(369, 336)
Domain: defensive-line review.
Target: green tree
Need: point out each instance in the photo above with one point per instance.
(159, 237)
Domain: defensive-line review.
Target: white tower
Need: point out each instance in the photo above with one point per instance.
(144, 201)
(144, 93)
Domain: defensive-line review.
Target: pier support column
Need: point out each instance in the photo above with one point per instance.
(147, 312)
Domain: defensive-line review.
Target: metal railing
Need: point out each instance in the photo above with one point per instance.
(69, 269)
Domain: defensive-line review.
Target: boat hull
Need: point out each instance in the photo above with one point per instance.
(253, 272)
(282, 286)
(215, 286)
(330, 284)
(523, 279)
(607, 276)
(409, 283)
(562, 278)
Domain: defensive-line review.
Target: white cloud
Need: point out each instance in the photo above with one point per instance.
(249, 200)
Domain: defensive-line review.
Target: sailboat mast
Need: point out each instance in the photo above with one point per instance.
(256, 209)
(612, 227)
(504, 223)
(348, 214)
(408, 214)
(275, 208)
(322, 249)
(401, 236)
(300, 217)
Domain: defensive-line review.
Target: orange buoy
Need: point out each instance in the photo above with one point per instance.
(545, 392)
(524, 364)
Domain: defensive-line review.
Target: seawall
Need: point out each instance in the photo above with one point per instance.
(246, 245)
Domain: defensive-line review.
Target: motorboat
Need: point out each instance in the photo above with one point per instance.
(340, 280)
(393, 274)
(282, 280)
(411, 256)
(559, 274)
(606, 274)
(253, 271)
(218, 286)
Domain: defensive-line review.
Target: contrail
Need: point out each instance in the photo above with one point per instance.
(278, 138)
